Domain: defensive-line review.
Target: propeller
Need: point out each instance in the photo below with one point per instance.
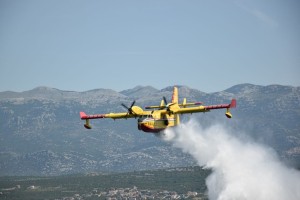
(130, 111)
(165, 100)
(167, 105)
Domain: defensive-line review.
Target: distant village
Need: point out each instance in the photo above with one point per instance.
(135, 194)
(118, 194)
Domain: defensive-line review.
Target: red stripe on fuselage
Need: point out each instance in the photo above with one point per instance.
(148, 129)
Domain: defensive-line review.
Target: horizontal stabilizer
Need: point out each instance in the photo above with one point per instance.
(153, 107)
(190, 104)
(183, 105)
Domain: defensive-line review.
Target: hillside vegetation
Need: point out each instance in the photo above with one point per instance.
(41, 133)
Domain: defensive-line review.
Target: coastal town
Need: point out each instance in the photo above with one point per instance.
(133, 193)
(172, 183)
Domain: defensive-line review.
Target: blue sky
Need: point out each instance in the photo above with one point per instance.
(205, 44)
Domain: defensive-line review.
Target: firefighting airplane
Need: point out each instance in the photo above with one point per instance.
(158, 118)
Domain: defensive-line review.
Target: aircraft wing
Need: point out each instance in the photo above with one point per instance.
(202, 108)
(109, 115)
(87, 118)
(133, 112)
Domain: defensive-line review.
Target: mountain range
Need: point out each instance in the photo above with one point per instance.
(41, 133)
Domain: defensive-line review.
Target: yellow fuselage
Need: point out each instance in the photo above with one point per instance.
(157, 122)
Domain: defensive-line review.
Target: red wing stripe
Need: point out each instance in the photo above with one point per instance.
(92, 116)
(220, 106)
(96, 116)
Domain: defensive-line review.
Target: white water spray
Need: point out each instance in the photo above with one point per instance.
(240, 169)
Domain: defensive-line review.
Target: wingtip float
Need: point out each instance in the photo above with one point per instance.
(158, 118)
